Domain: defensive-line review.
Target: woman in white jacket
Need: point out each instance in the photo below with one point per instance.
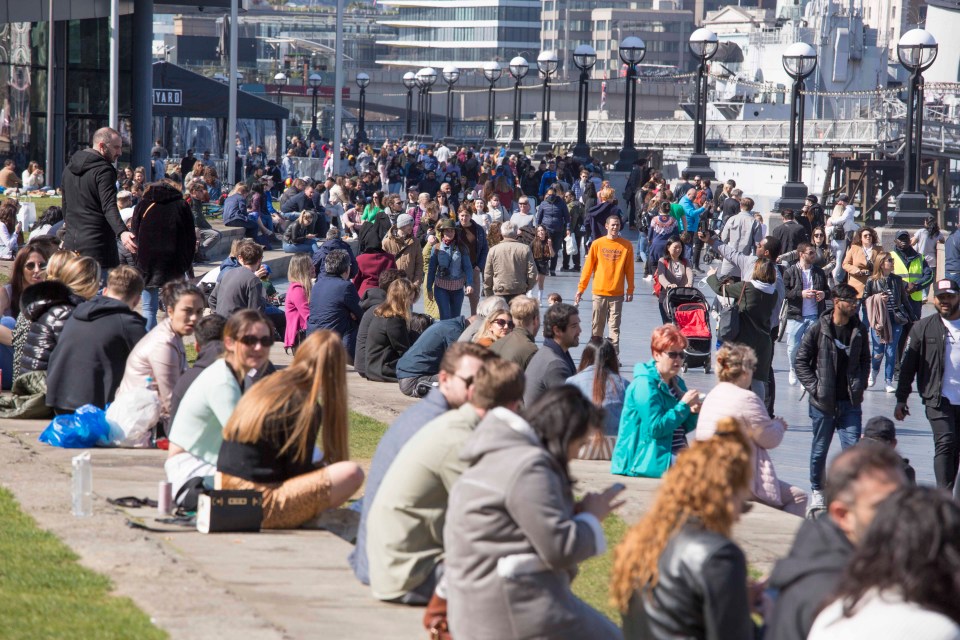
(841, 219)
(513, 536)
(732, 398)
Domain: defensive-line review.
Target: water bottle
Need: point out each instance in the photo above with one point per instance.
(82, 485)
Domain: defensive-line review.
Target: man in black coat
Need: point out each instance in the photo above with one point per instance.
(87, 364)
(90, 213)
(858, 480)
(791, 233)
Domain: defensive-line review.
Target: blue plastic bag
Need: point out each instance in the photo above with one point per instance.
(86, 428)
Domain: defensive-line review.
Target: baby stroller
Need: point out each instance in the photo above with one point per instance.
(688, 309)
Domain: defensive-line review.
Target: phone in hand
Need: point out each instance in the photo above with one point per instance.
(617, 487)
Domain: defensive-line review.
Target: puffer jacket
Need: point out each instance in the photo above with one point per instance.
(164, 226)
(512, 541)
(816, 364)
(48, 306)
(701, 592)
(510, 269)
(553, 214)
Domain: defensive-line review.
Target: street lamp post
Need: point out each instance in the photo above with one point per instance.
(418, 80)
(704, 45)
(363, 81)
(799, 61)
(547, 63)
(584, 57)
(409, 81)
(518, 69)
(492, 72)
(314, 81)
(450, 75)
(917, 49)
(280, 80)
(427, 77)
(632, 50)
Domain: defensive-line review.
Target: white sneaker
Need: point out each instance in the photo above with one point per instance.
(816, 502)
(648, 278)
(872, 380)
(890, 388)
(792, 378)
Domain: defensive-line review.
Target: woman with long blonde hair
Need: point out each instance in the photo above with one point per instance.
(680, 556)
(269, 441)
(300, 275)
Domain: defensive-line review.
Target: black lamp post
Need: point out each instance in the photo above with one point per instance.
(632, 50)
(799, 61)
(427, 77)
(584, 57)
(547, 63)
(450, 75)
(314, 81)
(418, 80)
(917, 50)
(363, 81)
(518, 69)
(409, 81)
(281, 81)
(704, 45)
(492, 72)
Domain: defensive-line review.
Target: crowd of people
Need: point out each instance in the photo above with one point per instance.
(469, 506)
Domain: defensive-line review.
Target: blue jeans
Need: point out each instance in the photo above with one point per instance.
(448, 302)
(150, 300)
(642, 242)
(889, 350)
(795, 331)
(846, 421)
(6, 354)
(300, 247)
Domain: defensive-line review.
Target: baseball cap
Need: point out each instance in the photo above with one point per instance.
(843, 198)
(880, 428)
(901, 233)
(404, 220)
(946, 285)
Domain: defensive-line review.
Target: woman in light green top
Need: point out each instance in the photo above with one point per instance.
(196, 433)
(373, 207)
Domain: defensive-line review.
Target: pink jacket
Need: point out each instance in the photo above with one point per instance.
(297, 311)
(729, 400)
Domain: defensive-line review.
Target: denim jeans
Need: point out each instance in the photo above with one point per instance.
(795, 331)
(642, 243)
(846, 421)
(150, 301)
(448, 302)
(6, 354)
(889, 350)
(300, 247)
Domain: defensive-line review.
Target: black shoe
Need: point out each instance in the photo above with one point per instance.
(565, 269)
(552, 272)
(576, 267)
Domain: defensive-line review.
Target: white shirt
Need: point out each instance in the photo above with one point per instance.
(442, 153)
(884, 616)
(926, 245)
(951, 362)
(809, 304)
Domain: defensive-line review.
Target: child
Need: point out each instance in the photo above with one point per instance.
(554, 298)
(881, 429)
(125, 204)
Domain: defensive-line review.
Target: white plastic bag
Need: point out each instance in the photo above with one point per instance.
(570, 245)
(27, 216)
(132, 417)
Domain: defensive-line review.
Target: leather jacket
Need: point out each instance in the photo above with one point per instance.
(48, 305)
(701, 592)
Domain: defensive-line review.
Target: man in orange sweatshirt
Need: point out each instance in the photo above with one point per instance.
(610, 262)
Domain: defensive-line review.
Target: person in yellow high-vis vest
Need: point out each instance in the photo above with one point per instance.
(917, 276)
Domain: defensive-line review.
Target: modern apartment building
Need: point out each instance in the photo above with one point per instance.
(464, 33)
(664, 28)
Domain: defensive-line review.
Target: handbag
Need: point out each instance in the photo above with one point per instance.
(570, 245)
(728, 327)
(230, 511)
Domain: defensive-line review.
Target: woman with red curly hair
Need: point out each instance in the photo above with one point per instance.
(677, 573)
(659, 410)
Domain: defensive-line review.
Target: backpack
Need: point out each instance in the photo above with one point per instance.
(656, 281)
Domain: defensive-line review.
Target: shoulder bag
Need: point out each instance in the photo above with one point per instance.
(728, 326)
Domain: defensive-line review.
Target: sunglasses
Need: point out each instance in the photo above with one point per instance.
(251, 341)
(36, 266)
(500, 322)
(675, 355)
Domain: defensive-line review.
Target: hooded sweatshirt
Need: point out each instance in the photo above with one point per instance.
(87, 364)
(90, 212)
(166, 238)
(596, 217)
(806, 578)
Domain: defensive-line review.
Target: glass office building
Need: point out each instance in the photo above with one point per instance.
(468, 34)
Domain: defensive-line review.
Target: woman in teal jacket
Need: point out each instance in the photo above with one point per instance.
(658, 412)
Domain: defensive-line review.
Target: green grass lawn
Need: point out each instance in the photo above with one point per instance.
(44, 593)
(365, 434)
(592, 584)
